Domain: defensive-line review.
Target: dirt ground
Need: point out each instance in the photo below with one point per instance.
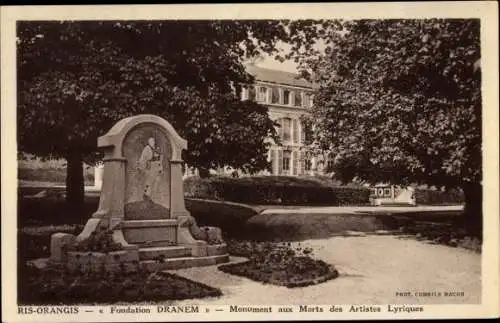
(373, 270)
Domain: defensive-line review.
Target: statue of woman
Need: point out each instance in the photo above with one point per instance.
(150, 164)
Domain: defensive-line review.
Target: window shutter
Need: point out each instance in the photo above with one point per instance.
(302, 162)
(295, 134)
(295, 161)
(302, 134)
(280, 161)
(280, 130)
(273, 160)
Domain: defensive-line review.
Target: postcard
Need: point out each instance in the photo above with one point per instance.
(322, 161)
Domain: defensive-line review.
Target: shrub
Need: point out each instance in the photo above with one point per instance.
(436, 197)
(53, 175)
(274, 190)
(230, 217)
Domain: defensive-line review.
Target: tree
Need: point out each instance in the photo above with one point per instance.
(77, 78)
(400, 101)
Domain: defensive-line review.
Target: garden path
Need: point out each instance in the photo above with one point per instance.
(360, 209)
(372, 270)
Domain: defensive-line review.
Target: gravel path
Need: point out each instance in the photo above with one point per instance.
(372, 270)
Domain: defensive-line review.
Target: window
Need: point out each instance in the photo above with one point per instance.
(251, 94)
(307, 133)
(298, 98)
(262, 94)
(308, 164)
(286, 97)
(286, 126)
(307, 100)
(329, 164)
(286, 160)
(295, 131)
(275, 95)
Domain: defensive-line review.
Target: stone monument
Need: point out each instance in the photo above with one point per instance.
(142, 220)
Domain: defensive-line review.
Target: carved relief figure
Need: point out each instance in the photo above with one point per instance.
(150, 165)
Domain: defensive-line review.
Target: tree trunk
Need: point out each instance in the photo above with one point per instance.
(204, 172)
(75, 192)
(473, 210)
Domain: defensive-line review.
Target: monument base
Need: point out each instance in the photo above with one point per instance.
(144, 259)
(146, 245)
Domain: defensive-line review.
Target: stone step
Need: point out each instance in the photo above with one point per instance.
(153, 244)
(151, 253)
(184, 262)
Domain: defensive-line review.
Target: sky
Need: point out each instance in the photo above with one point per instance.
(270, 62)
(267, 61)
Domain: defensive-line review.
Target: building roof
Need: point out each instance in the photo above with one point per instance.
(277, 76)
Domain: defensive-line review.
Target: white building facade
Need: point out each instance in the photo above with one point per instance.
(288, 98)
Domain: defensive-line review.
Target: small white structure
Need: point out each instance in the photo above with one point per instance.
(386, 194)
(98, 169)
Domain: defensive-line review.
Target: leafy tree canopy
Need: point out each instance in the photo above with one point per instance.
(77, 78)
(400, 100)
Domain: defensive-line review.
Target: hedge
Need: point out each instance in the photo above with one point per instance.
(436, 197)
(53, 175)
(274, 191)
(268, 190)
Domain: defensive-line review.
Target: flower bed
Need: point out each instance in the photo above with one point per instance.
(53, 286)
(278, 264)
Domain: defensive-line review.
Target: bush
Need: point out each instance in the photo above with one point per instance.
(274, 190)
(53, 175)
(229, 217)
(52, 211)
(436, 197)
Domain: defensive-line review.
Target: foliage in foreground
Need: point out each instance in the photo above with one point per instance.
(56, 286)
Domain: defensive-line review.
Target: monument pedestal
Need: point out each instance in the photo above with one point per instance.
(141, 207)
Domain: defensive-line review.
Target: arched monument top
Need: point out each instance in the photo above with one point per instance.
(116, 135)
